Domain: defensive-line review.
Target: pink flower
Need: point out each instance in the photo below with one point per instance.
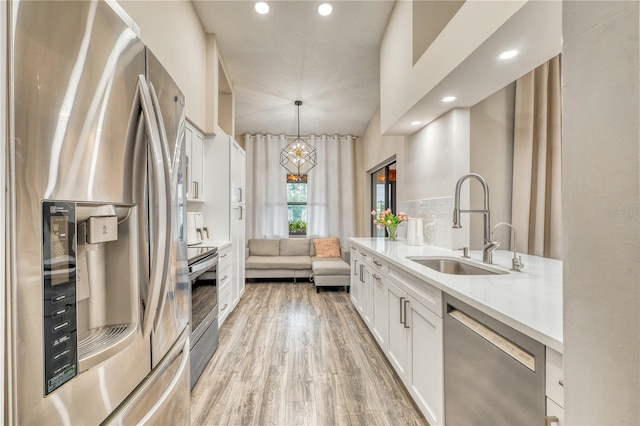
(389, 222)
(373, 213)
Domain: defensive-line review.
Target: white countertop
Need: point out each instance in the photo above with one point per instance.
(529, 301)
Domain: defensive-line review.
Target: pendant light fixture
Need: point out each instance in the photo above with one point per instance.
(298, 157)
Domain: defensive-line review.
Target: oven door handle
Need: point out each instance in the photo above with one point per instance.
(204, 265)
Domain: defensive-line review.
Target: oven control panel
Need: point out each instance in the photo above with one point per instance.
(59, 289)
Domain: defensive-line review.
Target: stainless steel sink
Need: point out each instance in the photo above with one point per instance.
(454, 266)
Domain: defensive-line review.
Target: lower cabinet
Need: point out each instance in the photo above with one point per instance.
(554, 387)
(224, 278)
(425, 359)
(409, 333)
(380, 315)
(398, 337)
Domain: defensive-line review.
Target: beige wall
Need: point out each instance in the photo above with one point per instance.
(437, 156)
(492, 158)
(179, 43)
(601, 174)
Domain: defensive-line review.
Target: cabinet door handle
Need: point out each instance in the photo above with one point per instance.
(406, 323)
(355, 266)
(240, 194)
(240, 207)
(401, 309)
(377, 263)
(548, 420)
(361, 272)
(363, 254)
(224, 278)
(225, 255)
(224, 308)
(377, 278)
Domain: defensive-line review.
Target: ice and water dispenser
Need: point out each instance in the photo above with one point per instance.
(91, 290)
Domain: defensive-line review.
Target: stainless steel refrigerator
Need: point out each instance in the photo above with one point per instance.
(97, 286)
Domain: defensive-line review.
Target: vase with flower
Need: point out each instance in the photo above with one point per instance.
(386, 219)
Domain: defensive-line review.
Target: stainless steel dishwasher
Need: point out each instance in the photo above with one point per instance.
(493, 374)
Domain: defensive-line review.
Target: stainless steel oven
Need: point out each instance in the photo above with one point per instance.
(204, 308)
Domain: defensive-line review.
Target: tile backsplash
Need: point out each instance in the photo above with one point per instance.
(437, 211)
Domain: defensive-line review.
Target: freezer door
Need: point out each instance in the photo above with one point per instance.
(164, 397)
(173, 312)
(73, 137)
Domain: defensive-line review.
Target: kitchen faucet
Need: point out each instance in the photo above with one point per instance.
(516, 263)
(488, 246)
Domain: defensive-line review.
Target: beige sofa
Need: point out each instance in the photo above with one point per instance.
(295, 258)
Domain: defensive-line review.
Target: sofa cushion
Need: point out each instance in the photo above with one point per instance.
(330, 266)
(278, 262)
(294, 247)
(327, 247)
(264, 247)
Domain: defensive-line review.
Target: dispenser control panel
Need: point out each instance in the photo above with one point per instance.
(59, 289)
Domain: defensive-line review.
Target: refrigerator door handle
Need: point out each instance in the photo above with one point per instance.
(168, 228)
(157, 267)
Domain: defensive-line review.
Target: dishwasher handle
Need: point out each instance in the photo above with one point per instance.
(499, 341)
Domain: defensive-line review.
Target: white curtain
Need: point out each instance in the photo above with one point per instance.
(537, 161)
(330, 191)
(266, 187)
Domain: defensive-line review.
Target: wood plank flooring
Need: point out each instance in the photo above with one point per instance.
(289, 356)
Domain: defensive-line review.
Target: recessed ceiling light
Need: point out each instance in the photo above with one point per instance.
(508, 54)
(262, 8)
(325, 9)
(449, 99)
(415, 123)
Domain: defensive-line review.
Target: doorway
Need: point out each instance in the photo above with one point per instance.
(383, 194)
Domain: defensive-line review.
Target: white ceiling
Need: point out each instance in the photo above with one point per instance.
(332, 64)
(329, 63)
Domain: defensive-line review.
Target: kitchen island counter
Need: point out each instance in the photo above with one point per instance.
(529, 301)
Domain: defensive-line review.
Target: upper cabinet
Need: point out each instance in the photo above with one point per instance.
(194, 147)
(219, 98)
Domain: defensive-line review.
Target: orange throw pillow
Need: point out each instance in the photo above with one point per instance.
(327, 247)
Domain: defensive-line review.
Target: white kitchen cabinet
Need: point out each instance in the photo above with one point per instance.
(380, 315)
(224, 278)
(194, 147)
(554, 385)
(426, 370)
(354, 257)
(555, 414)
(224, 212)
(404, 315)
(238, 258)
(363, 294)
(398, 337)
(238, 173)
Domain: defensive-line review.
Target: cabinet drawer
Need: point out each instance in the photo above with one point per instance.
(365, 256)
(224, 259)
(554, 388)
(224, 301)
(378, 264)
(554, 410)
(224, 275)
(425, 293)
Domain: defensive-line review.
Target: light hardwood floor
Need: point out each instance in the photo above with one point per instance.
(290, 356)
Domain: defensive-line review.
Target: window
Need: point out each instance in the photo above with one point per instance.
(383, 194)
(297, 204)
